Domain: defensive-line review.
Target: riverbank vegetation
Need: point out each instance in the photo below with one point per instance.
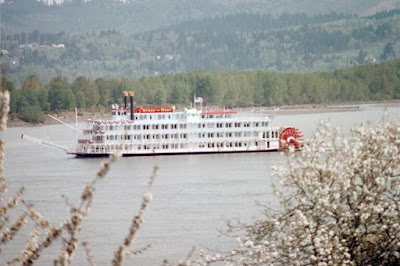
(370, 82)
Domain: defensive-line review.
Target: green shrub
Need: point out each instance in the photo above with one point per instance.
(32, 114)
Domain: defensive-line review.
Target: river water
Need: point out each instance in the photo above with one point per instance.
(193, 195)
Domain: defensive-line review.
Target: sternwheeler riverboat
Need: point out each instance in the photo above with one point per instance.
(164, 130)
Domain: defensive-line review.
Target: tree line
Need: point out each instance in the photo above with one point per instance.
(371, 82)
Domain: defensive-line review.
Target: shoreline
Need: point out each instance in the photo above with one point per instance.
(69, 117)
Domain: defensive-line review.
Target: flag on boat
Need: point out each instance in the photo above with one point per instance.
(198, 100)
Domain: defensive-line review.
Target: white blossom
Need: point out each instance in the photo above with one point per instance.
(340, 203)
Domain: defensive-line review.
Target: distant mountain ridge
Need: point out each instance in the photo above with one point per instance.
(288, 42)
(133, 16)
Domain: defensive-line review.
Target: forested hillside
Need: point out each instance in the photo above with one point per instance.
(134, 16)
(235, 89)
(289, 42)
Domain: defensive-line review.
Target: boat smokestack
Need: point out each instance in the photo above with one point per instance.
(131, 94)
(125, 99)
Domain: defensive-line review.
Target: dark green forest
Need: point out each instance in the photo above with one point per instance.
(244, 42)
(134, 16)
(370, 82)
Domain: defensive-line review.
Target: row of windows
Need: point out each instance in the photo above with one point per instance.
(230, 124)
(265, 135)
(226, 134)
(166, 146)
(160, 116)
(180, 126)
(274, 134)
(151, 116)
(155, 126)
(132, 148)
(141, 136)
(236, 144)
(139, 127)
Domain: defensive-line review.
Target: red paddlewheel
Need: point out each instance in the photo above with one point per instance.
(290, 136)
